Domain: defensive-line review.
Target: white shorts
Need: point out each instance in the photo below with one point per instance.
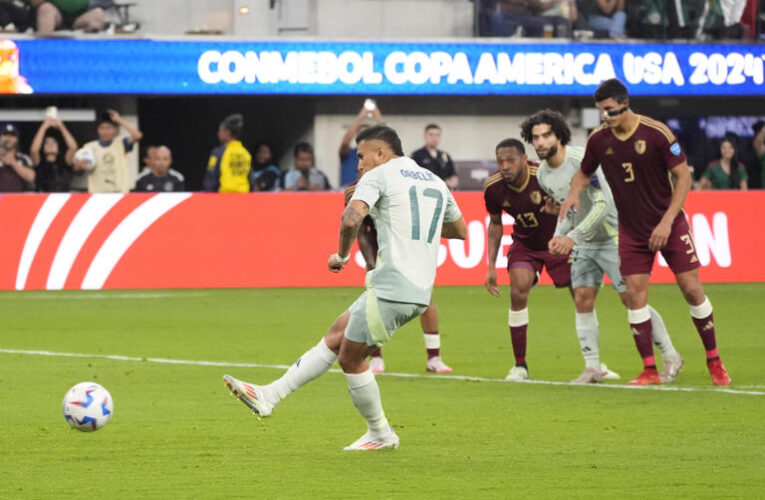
(373, 320)
(588, 266)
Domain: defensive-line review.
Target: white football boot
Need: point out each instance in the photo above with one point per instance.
(375, 441)
(435, 364)
(517, 374)
(608, 374)
(253, 396)
(377, 365)
(671, 368)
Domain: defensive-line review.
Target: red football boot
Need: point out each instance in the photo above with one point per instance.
(718, 372)
(649, 376)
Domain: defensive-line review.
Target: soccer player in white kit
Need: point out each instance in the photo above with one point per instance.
(412, 209)
(591, 235)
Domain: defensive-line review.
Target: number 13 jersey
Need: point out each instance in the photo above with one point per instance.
(409, 206)
(532, 228)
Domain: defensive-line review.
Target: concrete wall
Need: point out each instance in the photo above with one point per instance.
(358, 19)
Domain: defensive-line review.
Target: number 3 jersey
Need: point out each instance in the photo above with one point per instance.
(532, 227)
(409, 205)
(637, 167)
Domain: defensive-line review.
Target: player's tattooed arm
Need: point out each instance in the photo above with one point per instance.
(349, 227)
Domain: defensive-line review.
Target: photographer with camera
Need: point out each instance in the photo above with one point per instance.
(304, 176)
(16, 172)
(53, 166)
(348, 160)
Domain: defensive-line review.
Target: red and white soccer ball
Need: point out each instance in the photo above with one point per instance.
(88, 406)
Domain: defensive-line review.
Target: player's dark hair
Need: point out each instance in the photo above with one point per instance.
(234, 124)
(302, 147)
(758, 126)
(432, 125)
(612, 88)
(549, 117)
(511, 143)
(384, 134)
(734, 179)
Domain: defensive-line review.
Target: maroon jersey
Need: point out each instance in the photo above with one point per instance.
(637, 169)
(532, 227)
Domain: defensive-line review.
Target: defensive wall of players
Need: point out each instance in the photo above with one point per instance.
(185, 240)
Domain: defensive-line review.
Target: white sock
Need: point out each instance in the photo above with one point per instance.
(314, 363)
(588, 332)
(432, 340)
(366, 396)
(660, 335)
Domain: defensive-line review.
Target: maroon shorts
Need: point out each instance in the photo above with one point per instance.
(558, 266)
(680, 252)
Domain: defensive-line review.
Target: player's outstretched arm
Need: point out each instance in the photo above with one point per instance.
(349, 228)
(495, 238)
(660, 234)
(456, 230)
(579, 183)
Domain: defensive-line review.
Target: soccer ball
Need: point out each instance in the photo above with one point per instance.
(86, 155)
(88, 406)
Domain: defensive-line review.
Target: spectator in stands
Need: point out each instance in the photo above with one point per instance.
(87, 15)
(758, 142)
(727, 172)
(304, 176)
(265, 172)
(16, 172)
(437, 161)
(561, 15)
(509, 15)
(229, 166)
(722, 19)
(158, 176)
(16, 15)
(148, 157)
(53, 166)
(606, 16)
(109, 173)
(348, 160)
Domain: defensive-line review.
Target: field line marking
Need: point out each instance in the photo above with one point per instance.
(467, 378)
(99, 296)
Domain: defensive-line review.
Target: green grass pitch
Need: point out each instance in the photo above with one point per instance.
(177, 433)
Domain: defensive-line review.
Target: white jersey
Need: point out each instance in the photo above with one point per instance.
(596, 221)
(409, 205)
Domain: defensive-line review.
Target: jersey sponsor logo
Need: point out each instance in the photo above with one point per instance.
(536, 197)
(675, 149)
(609, 151)
(506, 204)
(640, 146)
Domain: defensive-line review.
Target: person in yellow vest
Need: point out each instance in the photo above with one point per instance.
(109, 172)
(228, 170)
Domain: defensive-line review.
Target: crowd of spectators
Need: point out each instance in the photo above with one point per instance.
(619, 19)
(55, 163)
(47, 16)
(581, 19)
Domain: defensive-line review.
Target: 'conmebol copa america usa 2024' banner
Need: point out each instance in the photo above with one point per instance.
(285, 67)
